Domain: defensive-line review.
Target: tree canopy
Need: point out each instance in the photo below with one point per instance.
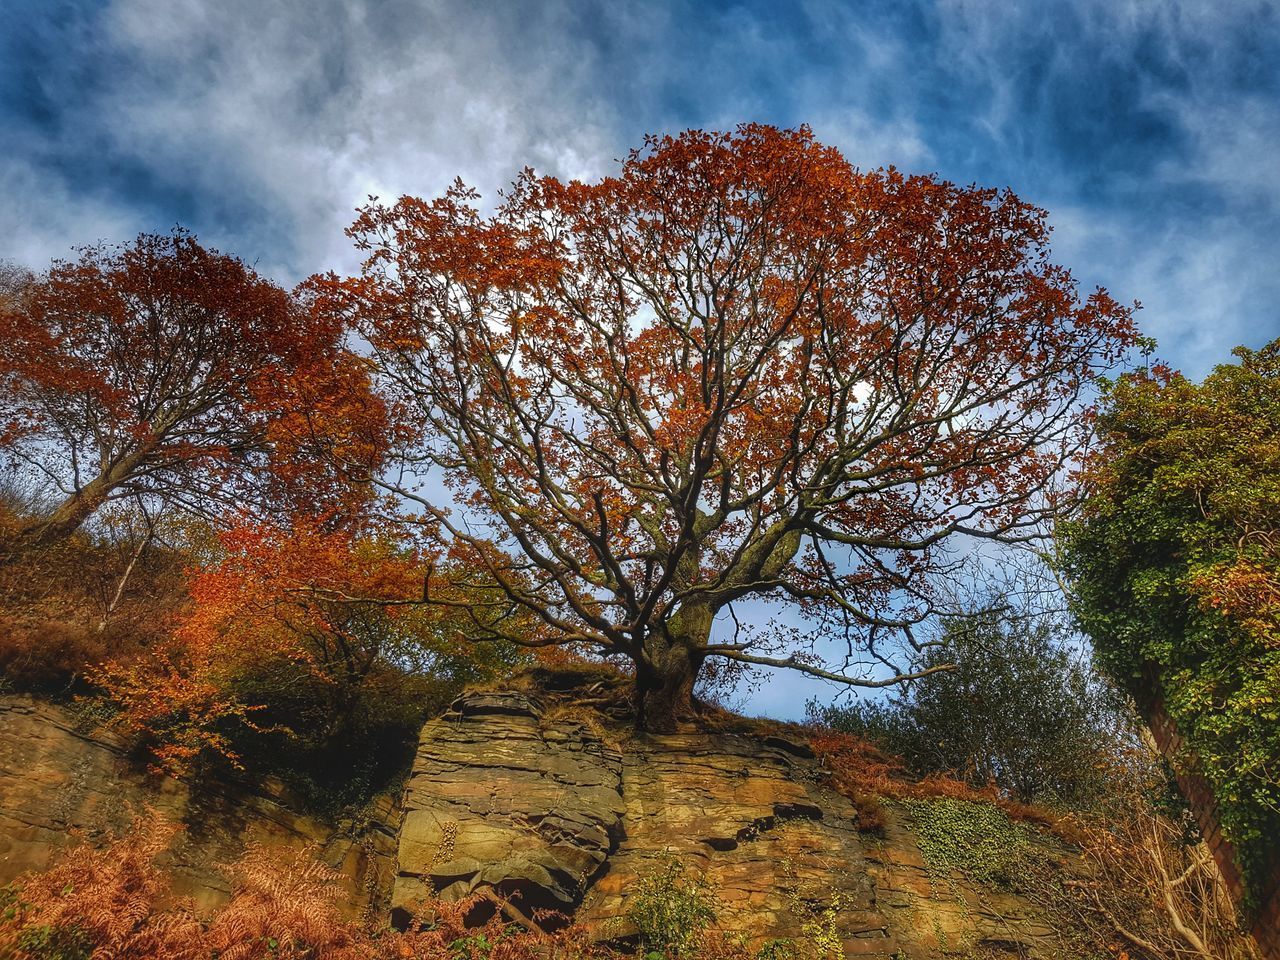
(740, 368)
(160, 369)
(1175, 568)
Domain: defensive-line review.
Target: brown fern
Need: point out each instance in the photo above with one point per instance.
(108, 904)
(283, 910)
(103, 900)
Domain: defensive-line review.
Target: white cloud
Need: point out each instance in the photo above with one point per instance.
(295, 112)
(306, 108)
(1191, 234)
(41, 220)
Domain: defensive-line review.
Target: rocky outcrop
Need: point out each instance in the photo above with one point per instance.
(547, 801)
(504, 798)
(546, 805)
(60, 784)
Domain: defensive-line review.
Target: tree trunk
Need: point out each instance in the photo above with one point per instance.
(69, 517)
(664, 691)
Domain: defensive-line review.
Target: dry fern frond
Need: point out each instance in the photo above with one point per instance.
(286, 909)
(105, 904)
(104, 900)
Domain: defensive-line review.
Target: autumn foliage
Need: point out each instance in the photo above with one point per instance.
(740, 368)
(83, 602)
(304, 634)
(601, 417)
(166, 371)
(115, 902)
(99, 900)
(739, 404)
(865, 774)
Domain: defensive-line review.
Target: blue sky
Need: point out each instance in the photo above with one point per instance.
(1149, 130)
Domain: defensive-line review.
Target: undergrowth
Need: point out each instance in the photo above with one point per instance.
(864, 774)
(976, 840)
(115, 902)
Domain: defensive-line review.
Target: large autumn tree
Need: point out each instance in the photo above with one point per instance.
(738, 369)
(164, 370)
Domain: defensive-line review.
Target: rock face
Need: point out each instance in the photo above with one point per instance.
(58, 783)
(549, 801)
(501, 799)
(517, 794)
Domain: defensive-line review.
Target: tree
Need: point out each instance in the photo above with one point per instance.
(302, 630)
(13, 280)
(1174, 567)
(740, 368)
(164, 370)
(1021, 710)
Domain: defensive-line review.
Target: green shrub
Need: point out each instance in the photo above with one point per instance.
(671, 909)
(1021, 709)
(976, 839)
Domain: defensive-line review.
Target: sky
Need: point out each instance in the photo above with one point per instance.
(1149, 130)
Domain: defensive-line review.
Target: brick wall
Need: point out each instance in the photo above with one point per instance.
(1266, 926)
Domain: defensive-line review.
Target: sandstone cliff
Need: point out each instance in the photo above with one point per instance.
(546, 797)
(60, 783)
(560, 807)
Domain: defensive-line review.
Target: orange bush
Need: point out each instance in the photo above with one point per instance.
(857, 769)
(312, 629)
(49, 656)
(173, 700)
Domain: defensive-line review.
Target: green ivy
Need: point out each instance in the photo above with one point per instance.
(975, 839)
(50, 942)
(1183, 493)
(671, 909)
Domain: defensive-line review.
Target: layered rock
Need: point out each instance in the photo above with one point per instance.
(547, 800)
(60, 784)
(503, 800)
(513, 794)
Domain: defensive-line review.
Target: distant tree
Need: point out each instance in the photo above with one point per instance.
(13, 280)
(740, 368)
(1175, 570)
(164, 370)
(1022, 709)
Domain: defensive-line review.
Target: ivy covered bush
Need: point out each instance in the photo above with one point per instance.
(672, 910)
(1175, 570)
(977, 840)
